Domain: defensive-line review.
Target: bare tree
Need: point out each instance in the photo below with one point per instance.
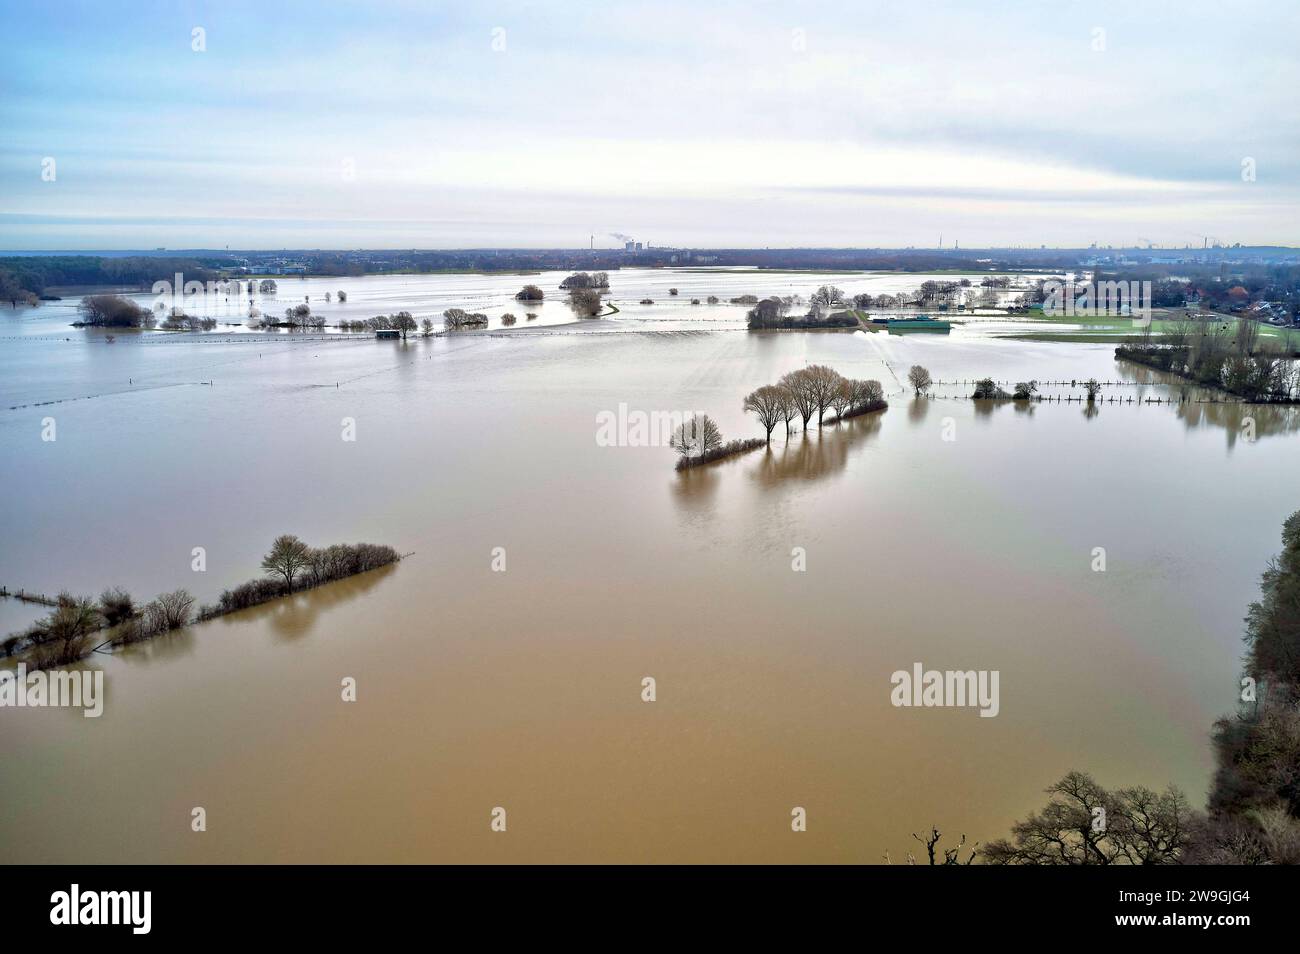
(823, 383)
(789, 409)
(585, 302)
(287, 557)
(1093, 387)
(174, 608)
(404, 322)
(827, 295)
(1084, 824)
(919, 379)
(697, 436)
(768, 404)
(842, 399)
(867, 393)
(951, 856)
(799, 385)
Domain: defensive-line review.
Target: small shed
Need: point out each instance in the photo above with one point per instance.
(388, 333)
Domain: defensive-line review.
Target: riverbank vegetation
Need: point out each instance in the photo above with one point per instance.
(1254, 803)
(1252, 814)
(1212, 354)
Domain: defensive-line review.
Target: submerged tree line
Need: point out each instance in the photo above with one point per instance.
(799, 395)
(79, 625)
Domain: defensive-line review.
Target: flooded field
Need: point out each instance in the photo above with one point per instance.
(520, 688)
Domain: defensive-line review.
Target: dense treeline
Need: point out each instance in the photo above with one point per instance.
(1217, 355)
(24, 277)
(1254, 804)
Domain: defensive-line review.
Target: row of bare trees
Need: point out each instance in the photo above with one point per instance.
(815, 389)
(68, 633)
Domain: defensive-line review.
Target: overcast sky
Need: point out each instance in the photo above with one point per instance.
(418, 124)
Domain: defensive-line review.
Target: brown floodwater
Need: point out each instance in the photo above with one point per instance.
(522, 689)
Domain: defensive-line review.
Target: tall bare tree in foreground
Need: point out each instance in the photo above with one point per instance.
(919, 379)
(1084, 824)
(767, 403)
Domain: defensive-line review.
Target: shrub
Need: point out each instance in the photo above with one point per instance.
(64, 635)
(585, 301)
(169, 611)
(116, 605)
(986, 389)
(111, 311)
(726, 450)
(1025, 390)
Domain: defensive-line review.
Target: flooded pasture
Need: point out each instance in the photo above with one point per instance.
(941, 532)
